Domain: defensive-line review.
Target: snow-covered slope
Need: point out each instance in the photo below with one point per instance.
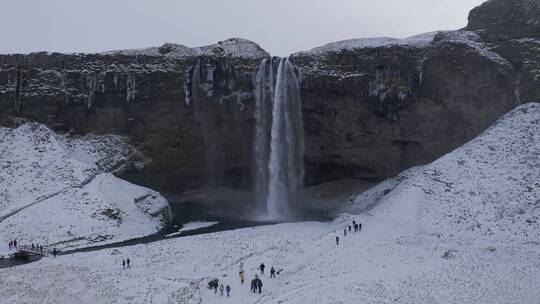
(55, 190)
(461, 230)
(489, 188)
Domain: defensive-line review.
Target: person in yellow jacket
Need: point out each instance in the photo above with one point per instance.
(242, 275)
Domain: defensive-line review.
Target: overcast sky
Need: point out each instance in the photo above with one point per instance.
(279, 26)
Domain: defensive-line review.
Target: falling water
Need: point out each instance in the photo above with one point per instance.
(279, 138)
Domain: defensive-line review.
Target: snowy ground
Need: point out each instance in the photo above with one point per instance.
(55, 190)
(193, 226)
(463, 229)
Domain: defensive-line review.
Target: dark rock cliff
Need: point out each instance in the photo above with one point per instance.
(371, 107)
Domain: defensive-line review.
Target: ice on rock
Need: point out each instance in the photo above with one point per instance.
(130, 87)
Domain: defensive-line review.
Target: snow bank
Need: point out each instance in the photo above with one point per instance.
(193, 226)
(233, 47)
(55, 190)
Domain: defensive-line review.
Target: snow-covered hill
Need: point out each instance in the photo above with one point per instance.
(489, 188)
(461, 230)
(55, 190)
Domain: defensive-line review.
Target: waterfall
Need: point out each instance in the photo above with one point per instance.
(279, 138)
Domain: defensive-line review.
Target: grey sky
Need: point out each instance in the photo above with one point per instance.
(279, 26)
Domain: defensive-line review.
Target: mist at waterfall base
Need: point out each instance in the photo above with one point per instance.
(279, 140)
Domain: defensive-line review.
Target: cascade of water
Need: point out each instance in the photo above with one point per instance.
(279, 137)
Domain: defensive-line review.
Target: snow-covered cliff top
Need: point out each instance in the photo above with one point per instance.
(233, 47)
(418, 41)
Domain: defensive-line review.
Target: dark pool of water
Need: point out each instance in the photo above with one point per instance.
(7, 263)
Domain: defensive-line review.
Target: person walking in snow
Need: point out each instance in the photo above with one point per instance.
(55, 252)
(272, 272)
(41, 248)
(337, 240)
(123, 263)
(32, 246)
(262, 268)
(359, 226)
(10, 244)
(259, 285)
(355, 227)
(349, 228)
(253, 285)
(221, 290)
(345, 232)
(215, 287)
(15, 243)
(228, 288)
(241, 273)
(127, 262)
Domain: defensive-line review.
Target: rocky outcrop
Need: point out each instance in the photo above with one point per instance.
(506, 19)
(371, 107)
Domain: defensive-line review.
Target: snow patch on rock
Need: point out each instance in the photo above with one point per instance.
(418, 41)
(473, 41)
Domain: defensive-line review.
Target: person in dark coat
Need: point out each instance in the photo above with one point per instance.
(259, 285)
(127, 262)
(253, 285)
(345, 232)
(228, 288)
(123, 263)
(349, 228)
(15, 243)
(359, 226)
(215, 287)
(272, 272)
(337, 240)
(262, 268)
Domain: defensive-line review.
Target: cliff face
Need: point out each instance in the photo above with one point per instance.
(190, 110)
(371, 107)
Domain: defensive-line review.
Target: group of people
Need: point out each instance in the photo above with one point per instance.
(12, 244)
(126, 263)
(355, 225)
(221, 288)
(37, 247)
(256, 283)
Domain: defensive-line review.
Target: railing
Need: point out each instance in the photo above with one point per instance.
(28, 249)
